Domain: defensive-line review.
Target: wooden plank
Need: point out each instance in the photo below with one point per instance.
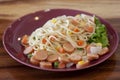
(33, 74)
(7, 61)
(96, 7)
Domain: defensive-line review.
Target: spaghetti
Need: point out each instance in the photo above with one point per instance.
(66, 36)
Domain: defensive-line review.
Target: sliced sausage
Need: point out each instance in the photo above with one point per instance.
(92, 56)
(41, 55)
(63, 59)
(24, 40)
(28, 50)
(81, 64)
(52, 57)
(104, 51)
(68, 47)
(46, 65)
(34, 61)
(75, 57)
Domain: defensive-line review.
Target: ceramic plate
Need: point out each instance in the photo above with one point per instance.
(28, 23)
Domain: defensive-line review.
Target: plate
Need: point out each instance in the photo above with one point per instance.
(28, 23)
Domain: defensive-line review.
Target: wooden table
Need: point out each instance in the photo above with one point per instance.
(10, 10)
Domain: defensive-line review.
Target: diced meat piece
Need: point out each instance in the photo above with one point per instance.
(61, 65)
(74, 22)
(88, 48)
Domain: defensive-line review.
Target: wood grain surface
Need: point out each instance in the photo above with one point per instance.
(10, 10)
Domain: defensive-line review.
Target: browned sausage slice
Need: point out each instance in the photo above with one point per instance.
(41, 55)
(68, 47)
(104, 51)
(46, 65)
(63, 59)
(52, 57)
(24, 40)
(28, 50)
(34, 61)
(92, 56)
(75, 57)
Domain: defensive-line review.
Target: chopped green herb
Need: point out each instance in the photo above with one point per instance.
(100, 35)
(79, 48)
(29, 56)
(56, 64)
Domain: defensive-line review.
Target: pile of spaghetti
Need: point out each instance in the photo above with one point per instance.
(65, 41)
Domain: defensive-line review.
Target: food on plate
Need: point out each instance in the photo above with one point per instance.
(46, 65)
(66, 41)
